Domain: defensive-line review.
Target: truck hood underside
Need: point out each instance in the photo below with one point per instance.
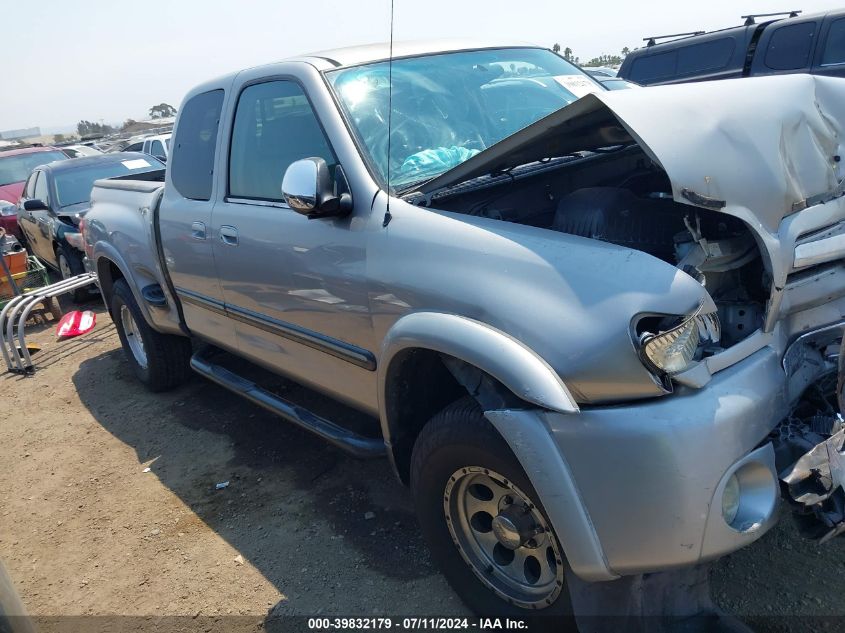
(771, 145)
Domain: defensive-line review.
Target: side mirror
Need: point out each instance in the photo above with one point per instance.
(35, 205)
(307, 189)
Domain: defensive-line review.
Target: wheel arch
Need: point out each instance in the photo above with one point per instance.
(456, 355)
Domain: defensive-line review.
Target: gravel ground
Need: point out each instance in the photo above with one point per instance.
(108, 507)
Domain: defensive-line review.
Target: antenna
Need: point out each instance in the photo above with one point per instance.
(750, 19)
(387, 216)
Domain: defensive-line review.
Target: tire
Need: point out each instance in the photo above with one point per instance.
(460, 442)
(70, 264)
(53, 306)
(164, 362)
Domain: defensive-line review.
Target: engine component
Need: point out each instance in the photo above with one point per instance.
(618, 216)
(810, 458)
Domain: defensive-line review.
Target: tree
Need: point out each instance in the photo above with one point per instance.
(128, 123)
(625, 51)
(59, 138)
(556, 47)
(567, 53)
(88, 128)
(162, 110)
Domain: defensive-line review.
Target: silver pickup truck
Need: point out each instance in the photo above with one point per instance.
(582, 325)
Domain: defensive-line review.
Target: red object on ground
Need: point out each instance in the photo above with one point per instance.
(76, 323)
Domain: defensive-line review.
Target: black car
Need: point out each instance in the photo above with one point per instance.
(795, 44)
(57, 195)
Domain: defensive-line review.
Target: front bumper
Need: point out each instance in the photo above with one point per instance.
(651, 474)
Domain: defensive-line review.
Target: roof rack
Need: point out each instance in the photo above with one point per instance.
(652, 40)
(750, 19)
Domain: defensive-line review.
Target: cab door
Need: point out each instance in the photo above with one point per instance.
(295, 287)
(185, 219)
(37, 225)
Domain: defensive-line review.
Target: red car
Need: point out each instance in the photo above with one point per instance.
(15, 167)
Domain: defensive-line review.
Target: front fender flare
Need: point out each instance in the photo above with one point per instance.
(506, 359)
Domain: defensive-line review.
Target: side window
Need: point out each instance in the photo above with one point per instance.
(834, 48)
(274, 126)
(654, 67)
(156, 148)
(713, 55)
(41, 191)
(135, 147)
(192, 167)
(29, 188)
(790, 46)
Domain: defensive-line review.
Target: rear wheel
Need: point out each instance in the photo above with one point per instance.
(160, 361)
(474, 500)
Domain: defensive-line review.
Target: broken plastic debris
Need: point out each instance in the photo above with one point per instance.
(221, 485)
(369, 515)
(239, 560)
(146, 470)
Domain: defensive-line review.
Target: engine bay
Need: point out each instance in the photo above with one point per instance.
(625, 199)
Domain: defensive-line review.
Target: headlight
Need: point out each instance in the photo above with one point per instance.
(673, 350)
(7, 208)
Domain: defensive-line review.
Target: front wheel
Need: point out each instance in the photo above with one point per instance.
(160, 361)
(474, 500)
(70, 264)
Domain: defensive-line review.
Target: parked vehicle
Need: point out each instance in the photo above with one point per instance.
(615, 83)
(15, 165)
(80, 151)
(56, 197)
(158, 146)
(795, 44)
(600, 71)
(570, 322)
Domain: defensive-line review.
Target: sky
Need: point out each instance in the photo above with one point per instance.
(67, 60)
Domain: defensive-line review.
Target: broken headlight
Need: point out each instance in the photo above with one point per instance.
(669, 346)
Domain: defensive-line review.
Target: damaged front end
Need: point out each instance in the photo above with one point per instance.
(810, 443)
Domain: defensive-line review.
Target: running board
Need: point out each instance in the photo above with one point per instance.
(344, 439)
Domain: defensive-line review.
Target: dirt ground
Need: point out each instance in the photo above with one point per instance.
(108, 506)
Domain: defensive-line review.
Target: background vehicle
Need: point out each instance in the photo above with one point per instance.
(80, 151)
(158, 146)
(571, 351)
(616, 83)
(798, 44)
(15, 165)
(600, 71)
(56, 197)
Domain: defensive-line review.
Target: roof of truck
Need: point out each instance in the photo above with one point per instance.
(368, 53)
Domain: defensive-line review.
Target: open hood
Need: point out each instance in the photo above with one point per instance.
(770, 145)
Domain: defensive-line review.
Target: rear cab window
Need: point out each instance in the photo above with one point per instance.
(790, 46)
(195, 142)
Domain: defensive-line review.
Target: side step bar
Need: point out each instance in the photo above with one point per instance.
(349, 442)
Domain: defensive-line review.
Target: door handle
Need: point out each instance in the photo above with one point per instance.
(229, 235)
(198, 231)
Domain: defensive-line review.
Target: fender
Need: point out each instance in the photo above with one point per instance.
(509, 361)
(159, 320)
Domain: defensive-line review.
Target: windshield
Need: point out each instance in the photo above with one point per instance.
(74, 185)
(449, 107)
(17, 168)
